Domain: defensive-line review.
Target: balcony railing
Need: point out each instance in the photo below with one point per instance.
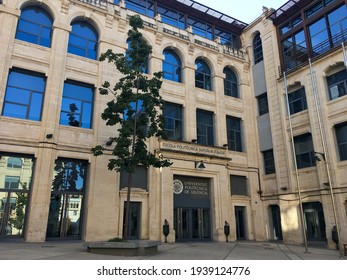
(97, 3)
(317, 51)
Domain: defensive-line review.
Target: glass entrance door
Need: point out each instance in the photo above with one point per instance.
(134, 220)
(192, 224)
(64, 215)
(315, 224)
(12, 213)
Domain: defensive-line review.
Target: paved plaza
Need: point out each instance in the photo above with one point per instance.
(240, 250)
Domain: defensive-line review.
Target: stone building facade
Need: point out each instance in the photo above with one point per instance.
(230, 141)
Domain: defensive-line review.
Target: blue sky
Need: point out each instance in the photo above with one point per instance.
(243, 10)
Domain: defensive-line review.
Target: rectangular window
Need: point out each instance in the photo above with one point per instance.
(263, 104)
(139, 178)
(69, 175)
(77, 105)
(11, 182)
(24, 95)
(269, 162)
(337, 84)
(341, 139)
(234, 134)
(144, 7)
(238, 185)
(171, 17)
(200, 28)
(173, 121)
(304, 151)
(297, 101)
(204, 127)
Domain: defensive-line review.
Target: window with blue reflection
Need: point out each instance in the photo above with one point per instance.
(69, 175)
(204, 127)
(227, 38)
(116, 2)
(77, 104)
(172, 67)
(24, 95)
(171, 17)
(83, 40)
(35, 26)
(319, 36)
(173, 121)
(338, 24)
(201, 28)
(202, 75)
(144, 7)
(234, 134)
(230, 83)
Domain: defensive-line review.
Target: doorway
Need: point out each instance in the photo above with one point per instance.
(314, 220)
(134, 220)
(275, 225)
(192, 224)
(240, 212)
(64, 215)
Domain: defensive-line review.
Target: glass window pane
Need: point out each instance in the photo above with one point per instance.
(86, 115)
(15, 111)
(35, 107)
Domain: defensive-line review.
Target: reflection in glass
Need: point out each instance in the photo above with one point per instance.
(15, 180)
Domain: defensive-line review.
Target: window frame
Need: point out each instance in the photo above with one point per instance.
(231, 86)
(307, 155)
(88, 40)
(298, 95)
(263, 104)
(205, 129)
(177, 130)
(83, 102)
(32, 93)
(44, 15)
(206, 75)
(269, 162)
(257, 49)
(238, 185)
(341, 145)
(339, 83)
(176, 68)
(234, 135)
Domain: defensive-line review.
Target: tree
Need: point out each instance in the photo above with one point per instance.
(135, 110)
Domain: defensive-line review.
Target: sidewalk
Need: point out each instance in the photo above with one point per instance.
(240, 250)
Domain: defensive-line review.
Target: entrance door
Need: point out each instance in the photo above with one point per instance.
(12, 213)
(192, 224)
(276, 228)
(64, 218)
(134, 221)
(240, 222)
(314, 219)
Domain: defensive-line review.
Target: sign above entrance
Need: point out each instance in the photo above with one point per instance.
(193, 148)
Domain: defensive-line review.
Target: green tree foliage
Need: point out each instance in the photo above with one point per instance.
(135, 107)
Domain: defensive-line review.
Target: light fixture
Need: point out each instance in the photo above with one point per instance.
(200, 165)
(284, 188)
(225, 145)
(49, 136)
(194, 140)
(109, 142)
(319, 156)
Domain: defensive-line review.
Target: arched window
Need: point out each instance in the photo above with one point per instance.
(144, 66)
(202, 75)
(230, 83)
(35, 26)
(83, 40)
(257, 48)
(172, 66)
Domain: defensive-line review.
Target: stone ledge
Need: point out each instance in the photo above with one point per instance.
(129, 248)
